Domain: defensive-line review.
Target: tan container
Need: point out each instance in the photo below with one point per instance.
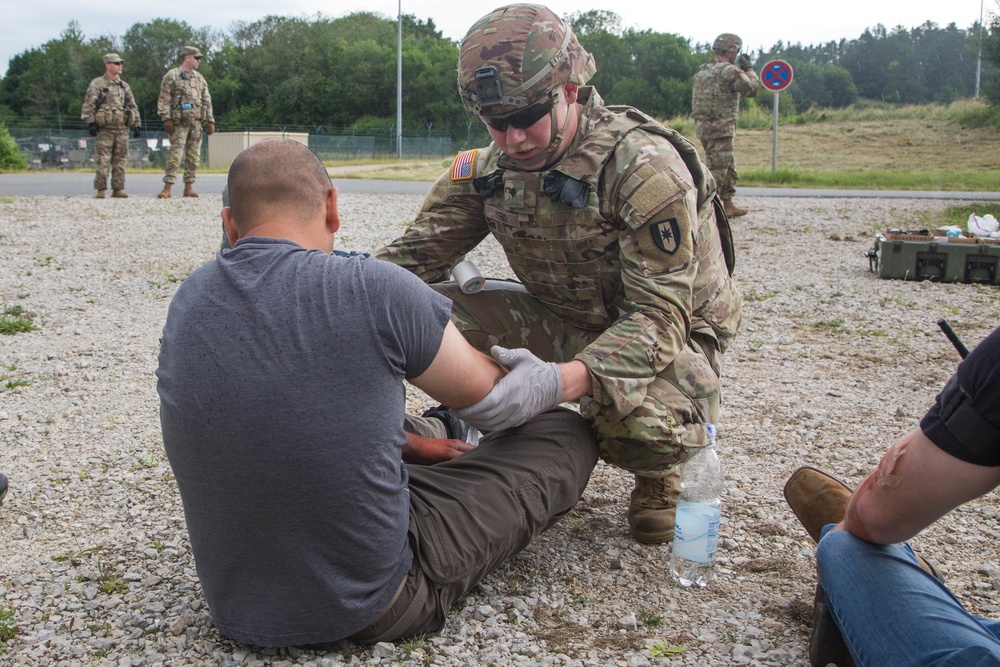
(223, 147)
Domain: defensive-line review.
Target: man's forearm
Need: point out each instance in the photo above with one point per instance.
(576, 380)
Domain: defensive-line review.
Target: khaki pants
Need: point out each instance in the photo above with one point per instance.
(470, 514)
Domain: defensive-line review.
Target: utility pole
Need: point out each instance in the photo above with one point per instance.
(399, 85)
(979, 59)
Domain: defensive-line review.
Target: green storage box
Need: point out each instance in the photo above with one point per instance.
(923, 258)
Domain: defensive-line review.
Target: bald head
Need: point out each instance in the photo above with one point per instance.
(276, 178)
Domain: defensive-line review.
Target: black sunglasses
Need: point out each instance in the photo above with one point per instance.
(521, 120)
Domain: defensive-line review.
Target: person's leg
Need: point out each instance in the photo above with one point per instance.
(119, 157)
(103, 146)
(192, 156)
(177, 142)
(470, 514)
(893, 612)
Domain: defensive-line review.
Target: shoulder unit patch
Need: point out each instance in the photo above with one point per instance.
(464, 166)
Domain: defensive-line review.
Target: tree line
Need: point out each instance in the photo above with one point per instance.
(339, 74)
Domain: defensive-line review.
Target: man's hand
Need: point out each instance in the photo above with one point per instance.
(743, 62)
(168, 126)
(209, 127)
(136, 132)
(92, 129)
(428, 451)
(530, 388)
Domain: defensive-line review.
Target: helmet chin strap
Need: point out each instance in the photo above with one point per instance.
(549, 154)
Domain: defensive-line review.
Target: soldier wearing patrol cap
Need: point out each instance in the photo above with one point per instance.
(109, 109)
(622, 253)
(185, 106)
(715, 104)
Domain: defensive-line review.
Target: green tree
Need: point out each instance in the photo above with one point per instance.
(150, 49)
(10, 156)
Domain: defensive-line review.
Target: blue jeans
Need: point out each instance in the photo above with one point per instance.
(893, 612)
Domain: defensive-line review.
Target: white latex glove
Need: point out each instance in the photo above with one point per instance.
(530, 388)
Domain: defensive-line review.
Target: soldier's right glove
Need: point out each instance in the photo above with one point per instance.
(92, 129)
(743, 62)
(530, 388)
(168, 126)
(136, 132)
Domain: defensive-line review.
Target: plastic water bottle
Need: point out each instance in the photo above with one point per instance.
(696, 528)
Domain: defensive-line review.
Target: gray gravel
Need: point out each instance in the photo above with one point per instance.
(831, 366)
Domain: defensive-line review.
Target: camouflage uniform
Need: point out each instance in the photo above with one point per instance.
(110, 103)
(184, 99)
(715, 105)
(632, 280)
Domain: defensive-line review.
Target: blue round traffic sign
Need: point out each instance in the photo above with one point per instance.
(776, 75)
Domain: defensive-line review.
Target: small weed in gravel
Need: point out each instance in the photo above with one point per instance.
(15, 319)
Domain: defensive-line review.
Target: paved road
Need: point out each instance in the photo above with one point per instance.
(35, 184)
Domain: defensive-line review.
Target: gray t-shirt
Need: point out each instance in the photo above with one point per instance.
(281, 403)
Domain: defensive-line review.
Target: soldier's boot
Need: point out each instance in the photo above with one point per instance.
(100, 194)
(189, 190)
(732, 210)
(165, 192)
(119, 194)
(652, 508)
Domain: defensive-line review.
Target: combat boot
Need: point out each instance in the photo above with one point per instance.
(652, 507)
(100, 194)
(189, 190)
(732, 210)
(165, 192)
(119, 194)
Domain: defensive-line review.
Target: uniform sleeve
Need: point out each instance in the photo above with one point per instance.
(166, 96)
(450, 224)
(132, 106)
(206, 103)
(87, 111)
(745, 83)
(653, 197)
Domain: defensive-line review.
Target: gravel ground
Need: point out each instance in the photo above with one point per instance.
(831, 366)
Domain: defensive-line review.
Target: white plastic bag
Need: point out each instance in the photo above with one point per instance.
(982, 226)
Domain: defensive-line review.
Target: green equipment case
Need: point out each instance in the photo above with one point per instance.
(909, 256)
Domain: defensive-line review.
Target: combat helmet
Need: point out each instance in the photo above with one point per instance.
(515, 56)
(727, 41)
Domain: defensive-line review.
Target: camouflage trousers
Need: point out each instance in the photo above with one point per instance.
(110, 148)
(186, 139)
(719, 160)
(651, 439)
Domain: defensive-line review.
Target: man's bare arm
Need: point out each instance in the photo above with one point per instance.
(460, 375)
(915, 484)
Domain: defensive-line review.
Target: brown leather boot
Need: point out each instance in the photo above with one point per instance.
(652, 507)
(732, 210)
(189, 190)
(119, 194)
(100, 194)
(817, 499)
(165, 192)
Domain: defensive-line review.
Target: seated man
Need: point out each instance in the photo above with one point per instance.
(888, 603)
(282, 404)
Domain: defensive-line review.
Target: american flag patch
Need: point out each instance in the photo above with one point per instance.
(464, 165)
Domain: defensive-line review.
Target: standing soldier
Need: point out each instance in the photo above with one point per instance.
(109, 109)
(185, 107)
(613, 229)
(718, 85)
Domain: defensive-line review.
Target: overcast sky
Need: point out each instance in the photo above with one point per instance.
(29, 24)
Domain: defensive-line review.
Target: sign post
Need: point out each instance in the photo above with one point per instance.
(775, 76)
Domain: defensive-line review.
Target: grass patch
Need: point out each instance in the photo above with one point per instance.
(8, 629)
(946, 180)
(15, 319)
